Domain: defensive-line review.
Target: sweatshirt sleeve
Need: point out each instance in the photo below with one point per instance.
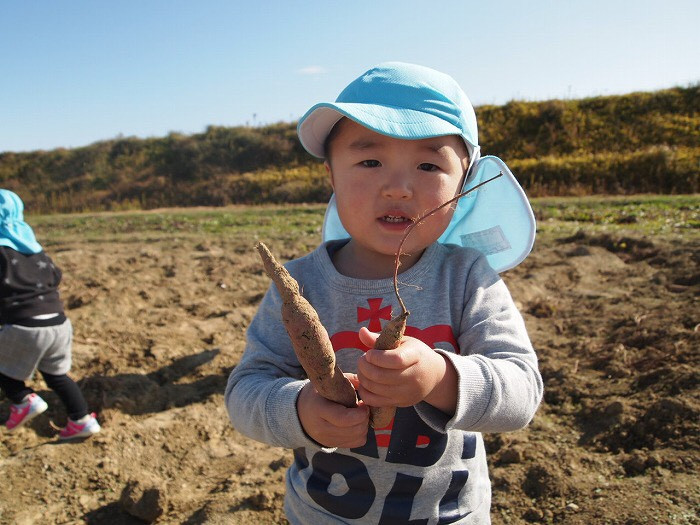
(499, 383)
(263, 387)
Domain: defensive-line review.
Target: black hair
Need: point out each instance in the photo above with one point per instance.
(330, 137)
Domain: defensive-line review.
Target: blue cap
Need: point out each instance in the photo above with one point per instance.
(404, 101)
(14, 232)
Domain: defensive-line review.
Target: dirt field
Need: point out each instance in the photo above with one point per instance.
(160, 321)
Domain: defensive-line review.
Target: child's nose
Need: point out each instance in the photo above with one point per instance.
(397, 186)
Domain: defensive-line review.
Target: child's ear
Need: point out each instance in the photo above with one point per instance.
(329, 171)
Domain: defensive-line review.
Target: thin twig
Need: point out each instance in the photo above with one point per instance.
(415, 223)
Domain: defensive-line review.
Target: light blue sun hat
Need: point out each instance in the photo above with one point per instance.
(411, 102)
(14, 232)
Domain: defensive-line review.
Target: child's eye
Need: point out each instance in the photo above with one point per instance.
(427, 166)
(371, 163)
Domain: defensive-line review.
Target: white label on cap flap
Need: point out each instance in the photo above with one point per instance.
(489, 241)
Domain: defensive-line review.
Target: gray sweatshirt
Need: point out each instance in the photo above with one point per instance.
(426, 467)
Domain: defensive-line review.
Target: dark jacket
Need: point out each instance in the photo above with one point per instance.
(29, 287)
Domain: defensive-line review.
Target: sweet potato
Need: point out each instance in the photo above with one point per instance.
(310, 340)
(312, 345)
(388, 339)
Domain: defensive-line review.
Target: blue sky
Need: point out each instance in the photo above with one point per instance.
(72, 73)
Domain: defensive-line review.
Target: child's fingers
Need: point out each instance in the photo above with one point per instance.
(331, 435)
(368, 338)
(374, 399)
(402, 357)
(342, 417)
(377, 375)
(351, 441)
(347, 427)
(383, 381)
(329, 423)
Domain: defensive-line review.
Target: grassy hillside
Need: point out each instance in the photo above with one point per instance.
(636, 143)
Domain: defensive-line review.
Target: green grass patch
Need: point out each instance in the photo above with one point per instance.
(240, 221)
(670, 215)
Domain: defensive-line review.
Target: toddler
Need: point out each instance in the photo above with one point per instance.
(34, 331)
(399, 141)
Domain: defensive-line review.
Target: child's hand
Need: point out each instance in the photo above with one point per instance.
(329, 423)
(407, 375)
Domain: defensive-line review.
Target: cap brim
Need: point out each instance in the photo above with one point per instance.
(398, 123)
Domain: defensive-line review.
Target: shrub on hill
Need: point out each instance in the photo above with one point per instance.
(641, 142)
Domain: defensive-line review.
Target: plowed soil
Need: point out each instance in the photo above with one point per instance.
(160, 322)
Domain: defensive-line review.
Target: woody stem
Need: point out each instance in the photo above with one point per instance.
(420, 219)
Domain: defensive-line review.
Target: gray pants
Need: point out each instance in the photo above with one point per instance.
(24, 349)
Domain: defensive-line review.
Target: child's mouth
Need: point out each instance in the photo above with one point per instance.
(395, 219)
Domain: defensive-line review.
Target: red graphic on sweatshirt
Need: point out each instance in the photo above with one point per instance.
(383, 437)
(439, 333)
(431, 335)
(374, 314)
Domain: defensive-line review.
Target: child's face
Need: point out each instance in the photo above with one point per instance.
(383, 184)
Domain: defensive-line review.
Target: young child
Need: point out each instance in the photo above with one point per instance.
(399, 141)
(34, 332)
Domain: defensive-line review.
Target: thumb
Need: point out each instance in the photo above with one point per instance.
(353, 379)
(367, 338)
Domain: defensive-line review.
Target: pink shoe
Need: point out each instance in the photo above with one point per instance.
(30, 407)
(84, 427)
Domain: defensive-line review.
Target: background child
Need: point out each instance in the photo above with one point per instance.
(35, 332)
(399, 140)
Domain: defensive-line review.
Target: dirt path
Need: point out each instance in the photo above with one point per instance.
(159, 326)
